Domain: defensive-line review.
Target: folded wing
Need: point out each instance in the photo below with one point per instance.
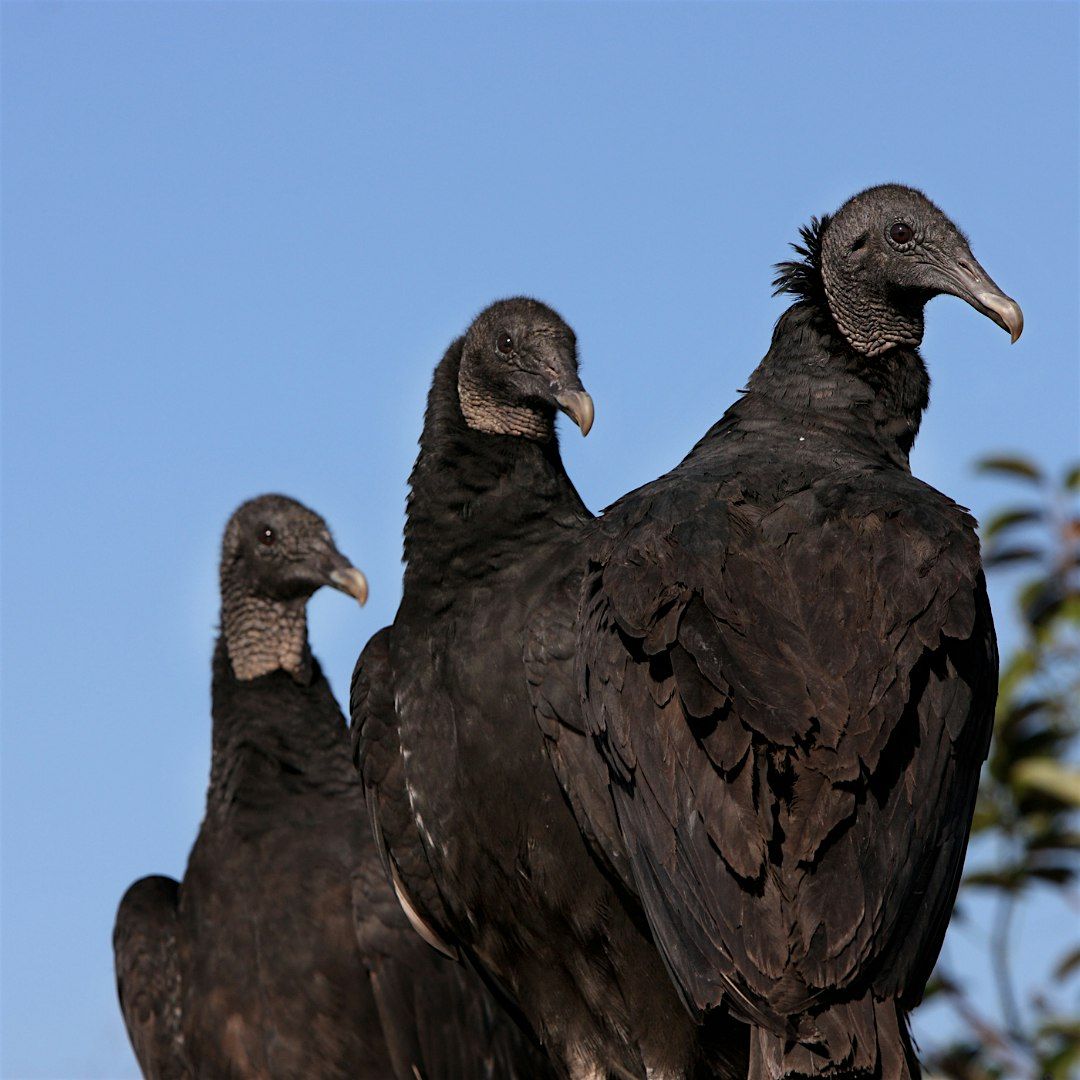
(794, 705)
(145, 941)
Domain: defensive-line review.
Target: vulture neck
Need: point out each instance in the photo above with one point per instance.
(273, 736)
(816, 385)
(262, 635)
(479, 502)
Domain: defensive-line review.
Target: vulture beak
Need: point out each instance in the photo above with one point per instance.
(968, 280)
(350, 580)
(577, 405)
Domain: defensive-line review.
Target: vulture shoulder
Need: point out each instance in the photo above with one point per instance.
(794, 695)
(145, 943)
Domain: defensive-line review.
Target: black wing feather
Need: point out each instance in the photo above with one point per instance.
(549, 658)
(145, 942)
(377, 754)
(440, 1019)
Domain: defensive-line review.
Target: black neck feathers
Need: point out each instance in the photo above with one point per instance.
(801, 277)
(476, 499)
(273, 737)
(812, 380)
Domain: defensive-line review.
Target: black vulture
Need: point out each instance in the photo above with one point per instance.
(283, 953)
(787, 660)
(483, 847)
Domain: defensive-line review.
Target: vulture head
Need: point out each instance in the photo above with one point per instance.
(519, 365)
(881, 257)
(277, 549)
(275, 554)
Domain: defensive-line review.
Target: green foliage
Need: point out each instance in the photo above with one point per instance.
(1030, 793)
(1013, 466)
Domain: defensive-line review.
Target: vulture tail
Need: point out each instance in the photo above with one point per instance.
(865, 1039)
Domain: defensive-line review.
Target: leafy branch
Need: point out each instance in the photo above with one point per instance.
(1030, 791)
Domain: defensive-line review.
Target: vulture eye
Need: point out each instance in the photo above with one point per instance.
(900, 232)
(266, 535)
(505, 344)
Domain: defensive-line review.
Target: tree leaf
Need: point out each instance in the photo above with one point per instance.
(1072, 478)
(1069, 612)
(1049, 777)
(998, 556)
(1008, 878)
(1061, 1026)
(1041, 744)
(1060, 1063)
(1056, 875)
(1009, 518)
(1044, 605)
(1023, 664)
(1013, 466)
(1069, 963)
(1055, 840)
(987, 816)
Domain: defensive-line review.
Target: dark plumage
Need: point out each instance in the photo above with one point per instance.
(442, 996)
(788, 664)
(256, 965)
(485, 850)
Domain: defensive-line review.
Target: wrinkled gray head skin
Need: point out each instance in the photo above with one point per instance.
(274, 555)
(885, 253)
(518, 365)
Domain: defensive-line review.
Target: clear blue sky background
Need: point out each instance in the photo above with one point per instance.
(236, 239)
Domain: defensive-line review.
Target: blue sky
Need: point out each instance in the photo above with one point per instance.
(237, 238)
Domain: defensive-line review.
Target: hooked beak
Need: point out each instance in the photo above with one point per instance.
(969, 281)
(577, 404)
(350, 580)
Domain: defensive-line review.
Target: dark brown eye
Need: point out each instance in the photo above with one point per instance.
(266, 535)
(900, 232)
(505, 344)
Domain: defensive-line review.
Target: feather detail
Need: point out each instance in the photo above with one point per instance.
(802, 277)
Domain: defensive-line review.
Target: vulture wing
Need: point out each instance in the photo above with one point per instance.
(549, 657)
(794, 698)
(148, 977)
(438, 1017)
(377, 753)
